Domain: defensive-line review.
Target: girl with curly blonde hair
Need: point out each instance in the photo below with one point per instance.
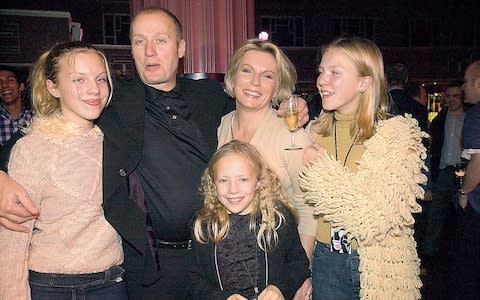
(246, 242)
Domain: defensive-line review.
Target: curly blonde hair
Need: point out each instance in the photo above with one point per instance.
(212, 222)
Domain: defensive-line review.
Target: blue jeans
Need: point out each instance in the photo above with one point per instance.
(439, 211)
(107, 285)
(335, 276)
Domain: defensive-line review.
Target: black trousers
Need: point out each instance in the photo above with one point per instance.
(168, 283)
(465, 280)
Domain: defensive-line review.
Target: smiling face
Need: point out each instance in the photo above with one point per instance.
(255, 80)
(235, 181)
(454, 98)
(156, 49)
(339, 82)
(82, 87)
(10, 88)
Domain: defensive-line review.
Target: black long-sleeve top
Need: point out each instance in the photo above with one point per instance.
(287, 264)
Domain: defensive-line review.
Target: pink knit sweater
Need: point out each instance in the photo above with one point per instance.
(62, 173)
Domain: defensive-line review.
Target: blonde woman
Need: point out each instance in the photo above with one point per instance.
(258, 76)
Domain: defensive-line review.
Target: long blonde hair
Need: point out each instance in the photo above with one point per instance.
(368, 61)
(213, 217)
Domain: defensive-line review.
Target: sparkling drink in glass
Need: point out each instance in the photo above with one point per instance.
(291, 120)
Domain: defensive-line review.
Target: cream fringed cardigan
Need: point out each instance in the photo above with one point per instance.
(375, 205)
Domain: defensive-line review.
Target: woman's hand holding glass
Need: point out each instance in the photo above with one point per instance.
(303, 116)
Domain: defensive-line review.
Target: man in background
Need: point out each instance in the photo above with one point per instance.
(466, 274)
(13, 114)
(446, 148)
(418, 93)
(397, 77)
(402, 103)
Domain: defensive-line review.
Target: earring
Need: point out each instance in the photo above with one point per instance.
(362, 91)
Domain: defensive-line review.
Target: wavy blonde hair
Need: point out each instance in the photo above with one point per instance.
(212, 222)
(286, 77)
(47, 67)
(368, 61)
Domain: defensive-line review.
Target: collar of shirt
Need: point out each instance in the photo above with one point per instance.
(4, 112)
(25, 114)
(171, 101)
(455, 116)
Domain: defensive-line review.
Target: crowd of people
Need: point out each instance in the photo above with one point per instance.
(164, 187)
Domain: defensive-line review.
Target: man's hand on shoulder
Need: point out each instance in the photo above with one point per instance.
(15, 204)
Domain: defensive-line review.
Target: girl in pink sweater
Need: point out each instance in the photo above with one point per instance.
(71, 250)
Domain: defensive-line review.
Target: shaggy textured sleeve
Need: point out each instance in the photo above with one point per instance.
(379, 198)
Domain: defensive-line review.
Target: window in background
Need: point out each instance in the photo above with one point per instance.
(9, 38)
(355, 26)
(115, 29)
(285, 30)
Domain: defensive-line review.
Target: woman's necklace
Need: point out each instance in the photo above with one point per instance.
(336, 149)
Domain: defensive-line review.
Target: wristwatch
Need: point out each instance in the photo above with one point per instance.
(461, 191)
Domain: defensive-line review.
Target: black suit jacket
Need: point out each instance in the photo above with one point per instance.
(287, 264)
(123, 125)
(402, 103)
(437, 133)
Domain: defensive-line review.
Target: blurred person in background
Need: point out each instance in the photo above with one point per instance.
(13, 113)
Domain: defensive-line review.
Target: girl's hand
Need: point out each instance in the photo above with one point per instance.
(271, 292)
(236, 297)
(312, 151)
(305, 291)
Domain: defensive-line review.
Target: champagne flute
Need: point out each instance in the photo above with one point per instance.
(291, 120)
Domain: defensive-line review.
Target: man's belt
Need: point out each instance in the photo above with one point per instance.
(173, 245)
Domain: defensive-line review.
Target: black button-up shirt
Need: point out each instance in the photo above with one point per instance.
(174, 156)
